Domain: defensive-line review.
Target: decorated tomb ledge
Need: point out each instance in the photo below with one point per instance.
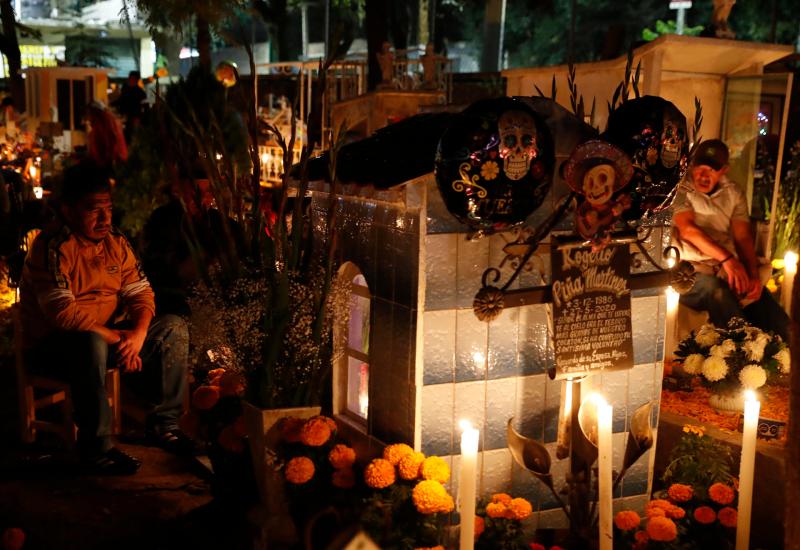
(694, 405)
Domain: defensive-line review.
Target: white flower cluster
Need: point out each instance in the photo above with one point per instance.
(715, 368)
(724, 349)
(784, 359)
(752, 377)
(707, 336)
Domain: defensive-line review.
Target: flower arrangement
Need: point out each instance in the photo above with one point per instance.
(406, 502)
(727, 360)
(698, 506)
(498, 523)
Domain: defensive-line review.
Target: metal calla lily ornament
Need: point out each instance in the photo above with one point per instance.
(494, 164)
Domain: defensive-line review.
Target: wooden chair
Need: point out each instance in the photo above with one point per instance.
(39, 392)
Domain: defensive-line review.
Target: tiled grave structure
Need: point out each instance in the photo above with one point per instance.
(432, 362)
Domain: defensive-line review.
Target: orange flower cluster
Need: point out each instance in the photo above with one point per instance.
(379, 474)
(679, 492)
(396, 452)
(727, 516)
(721, 493)
(480, 526)
(409, 465)
(341, 456)
(435, 468)
(705, 515)
(663, 508)
(430, 497)
(315, 432)
(503, 506)
(299, 470)
(627, 520)
(661, 529)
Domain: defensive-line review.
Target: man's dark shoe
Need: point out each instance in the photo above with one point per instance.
(113, 462)
(173, 441)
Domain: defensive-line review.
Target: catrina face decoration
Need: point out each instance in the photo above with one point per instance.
(494, 164)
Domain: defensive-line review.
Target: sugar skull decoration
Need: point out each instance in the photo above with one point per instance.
(494, 164)
(598, 171)
(652, 131)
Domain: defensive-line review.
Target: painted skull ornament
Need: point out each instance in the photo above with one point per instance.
(517, 143)
(494, 164)
(598, 183)
(652, 131)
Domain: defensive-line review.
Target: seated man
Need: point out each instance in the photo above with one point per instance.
(713, 233)
(77, 275)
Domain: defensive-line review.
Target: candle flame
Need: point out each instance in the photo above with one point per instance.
(597, 399)
(749, 396)
(790, 261)
(464, 425)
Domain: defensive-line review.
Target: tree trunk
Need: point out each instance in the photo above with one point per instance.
(203, 42)
(792, 461)
(10, 47)
(377, 33)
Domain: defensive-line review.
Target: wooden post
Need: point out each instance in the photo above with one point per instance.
(792, 512)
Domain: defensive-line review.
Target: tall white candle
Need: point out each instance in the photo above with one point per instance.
(604, 474)
(466, 484)
(747, 469)
(789, 272)
(670, 325)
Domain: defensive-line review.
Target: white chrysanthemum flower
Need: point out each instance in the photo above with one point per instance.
(752, 377)
(693, 363)
(715, 368)
(707, 336)
(784, 359)
(755, 349)
(724, 349)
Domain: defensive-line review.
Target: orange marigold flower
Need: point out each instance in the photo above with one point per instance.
(205, 397)
(379, 474)
(480, 525)
(641, 536)
(721, 493)
(662, 529)
(430, 497)
(659, 503)
(395, 453)
(627, 520)
(680, 492)
(315, 432)
(502, 498)
(654, 512)
(344, 478)
(409, 465)
(290, 428)
(676, 512)
(435, 468)
(299, 470)
(537, 546)
(727, 516)
(496, 510)
(705, 515)
(519, 508)
(341, 456)
(330, 422)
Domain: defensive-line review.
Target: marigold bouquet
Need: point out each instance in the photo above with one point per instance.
(407, 502)
(729, 359)
(498, 523)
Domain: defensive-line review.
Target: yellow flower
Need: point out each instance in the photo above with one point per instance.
(489, 170)
(395, 453)
(435, 468)
(343, 478)
(627, 520)
(496, 510)
(430, 497)
(299, 470)
(379, 474)
(519, 508)
(699, 431)
(316, 432)
(662, 529)
(408, 467)
(727, 516)
(705, 515)
(480, 526)
(341, 456)
(721, 493)
(680, 492)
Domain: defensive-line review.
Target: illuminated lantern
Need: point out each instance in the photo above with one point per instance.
(494, 164)
(652, 131)
(227, 73)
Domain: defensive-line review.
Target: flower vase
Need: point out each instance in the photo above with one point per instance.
(264, 435)
(727, 403)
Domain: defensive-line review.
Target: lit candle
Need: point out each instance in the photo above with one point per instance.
(747, 469)
(670, 327)
(466, 484)
(604, 475)
(789, 271)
